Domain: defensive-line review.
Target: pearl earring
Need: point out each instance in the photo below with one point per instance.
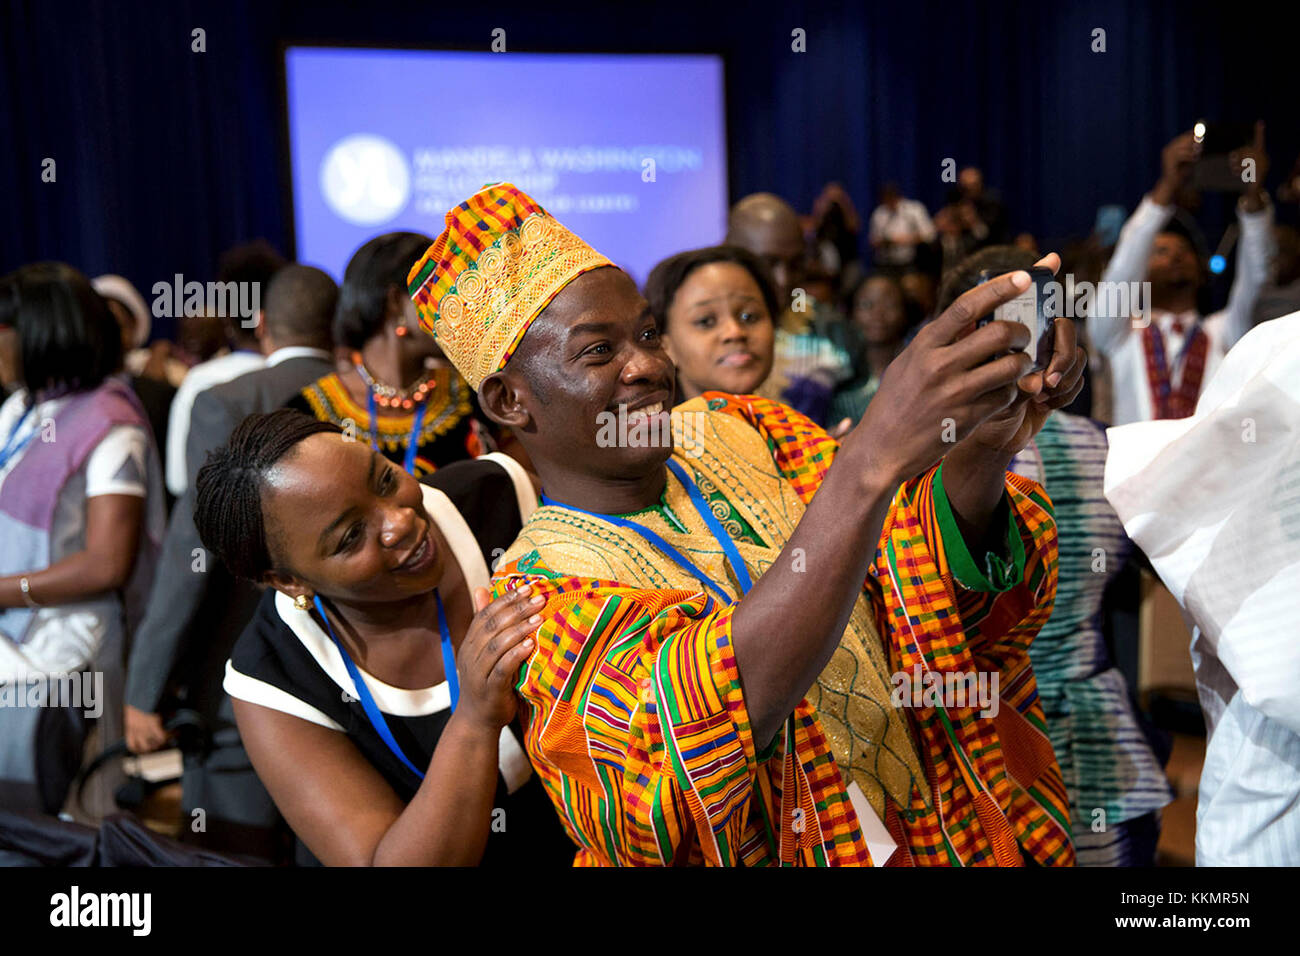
(302, 602)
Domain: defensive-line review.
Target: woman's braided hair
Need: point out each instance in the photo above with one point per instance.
(228, 488)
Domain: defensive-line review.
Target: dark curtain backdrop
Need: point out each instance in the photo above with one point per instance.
(165, 157)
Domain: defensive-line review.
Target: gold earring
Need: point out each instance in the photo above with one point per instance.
(302, 602)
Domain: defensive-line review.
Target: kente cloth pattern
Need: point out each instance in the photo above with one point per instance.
(498, 263)
(634, 713)
(449, 404)
(1105, 759)
(1167, 401)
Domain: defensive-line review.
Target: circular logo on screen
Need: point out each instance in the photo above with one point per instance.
(365, 179)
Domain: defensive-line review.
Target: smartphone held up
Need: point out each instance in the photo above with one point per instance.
(1036, 309)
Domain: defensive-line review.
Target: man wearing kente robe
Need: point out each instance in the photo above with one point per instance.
(714, 669)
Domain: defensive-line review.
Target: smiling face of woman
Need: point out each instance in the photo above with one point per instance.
(719, 333)
(349, 525)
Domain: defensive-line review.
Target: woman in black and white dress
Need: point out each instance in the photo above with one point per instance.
(374, 688)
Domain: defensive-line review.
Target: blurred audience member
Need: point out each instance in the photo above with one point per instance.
(956, 241)
(139, 357)
(149, 372)
(250, 266)
(814, 348)
(919, 292)
(396, 390)
(715, 308)
(982, 211)
(1289, 190)
(195, 613)
(1282, 294)
(820, 283)
(81, 513)
(836, 226)
(877, 308)
(1159, 364)
(897, 227)
(768, 227)
(1109, 768)
(1026, 242)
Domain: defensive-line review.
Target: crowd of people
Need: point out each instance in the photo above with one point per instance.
(375, 545)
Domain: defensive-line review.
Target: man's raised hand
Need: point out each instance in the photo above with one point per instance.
(950, 379)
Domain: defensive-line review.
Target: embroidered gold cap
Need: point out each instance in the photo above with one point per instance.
(498, 263)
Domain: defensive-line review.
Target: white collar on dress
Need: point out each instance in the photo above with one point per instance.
(394, 700)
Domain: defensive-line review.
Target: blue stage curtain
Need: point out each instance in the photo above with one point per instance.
(166, 156)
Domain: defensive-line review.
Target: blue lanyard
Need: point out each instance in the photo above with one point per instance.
(373, 713)
(412, 443)
(728, 546)
(12, 447)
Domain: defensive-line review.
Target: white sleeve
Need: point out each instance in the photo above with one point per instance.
(1127, 264)
(119, 465)
(876, 229)
(178, 431)
(242, 687)
(924, 225)
(1254, 253)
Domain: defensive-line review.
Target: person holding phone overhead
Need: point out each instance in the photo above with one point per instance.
(1160, 360)
(711, 677)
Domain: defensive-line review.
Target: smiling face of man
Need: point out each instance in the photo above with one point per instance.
(595, 348)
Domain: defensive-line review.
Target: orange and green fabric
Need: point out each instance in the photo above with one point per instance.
(636, 720)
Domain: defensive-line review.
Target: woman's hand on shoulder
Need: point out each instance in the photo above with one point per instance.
(498, 642)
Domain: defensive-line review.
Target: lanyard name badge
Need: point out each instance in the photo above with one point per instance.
(373, 713)
(12, 445)
(734, 560)
(412, 443)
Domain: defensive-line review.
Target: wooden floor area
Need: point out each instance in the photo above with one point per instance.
(1177, 845)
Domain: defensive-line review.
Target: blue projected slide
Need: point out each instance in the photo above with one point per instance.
(627, 151)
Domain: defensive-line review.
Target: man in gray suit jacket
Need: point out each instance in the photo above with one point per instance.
(197, 610)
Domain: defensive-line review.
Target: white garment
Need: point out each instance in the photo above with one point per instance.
(901, 226)
(204, 375)
(296, 351)
(66, 638)
(1214, 501)
(1116, 336)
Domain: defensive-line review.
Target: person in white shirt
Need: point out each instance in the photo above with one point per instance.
(1159, 360)
(203, 376)
(1214, 502)
(897, 227)
(248, 264)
